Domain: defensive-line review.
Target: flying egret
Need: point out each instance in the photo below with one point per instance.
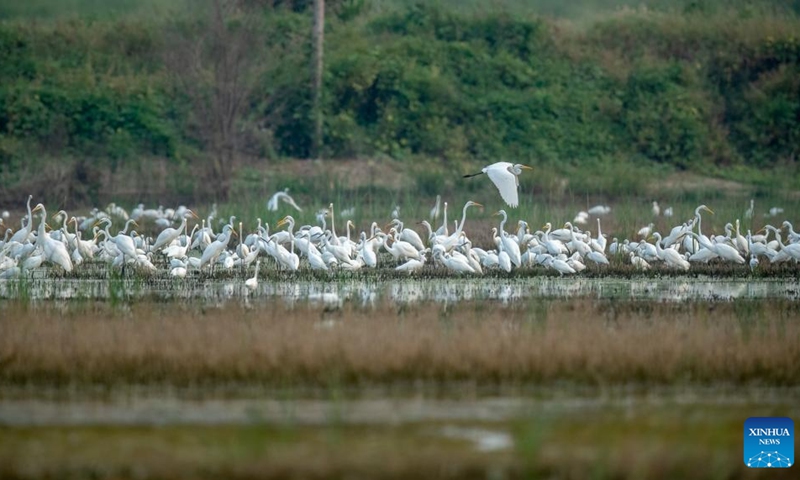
(505, 177)
(598, 210)
(272, 203)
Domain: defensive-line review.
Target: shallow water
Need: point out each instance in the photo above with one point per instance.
(406, 291)
(156, 407)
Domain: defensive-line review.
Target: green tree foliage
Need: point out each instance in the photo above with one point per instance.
(691, 85)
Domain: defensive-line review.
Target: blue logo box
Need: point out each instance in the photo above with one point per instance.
(769, 442)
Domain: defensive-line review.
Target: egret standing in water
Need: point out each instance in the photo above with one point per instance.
(505, 177)
(252, 283)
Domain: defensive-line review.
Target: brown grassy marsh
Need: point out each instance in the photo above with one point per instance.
(537, 341)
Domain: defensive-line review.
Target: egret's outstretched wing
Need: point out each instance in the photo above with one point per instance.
(506, 183)
(290, 201)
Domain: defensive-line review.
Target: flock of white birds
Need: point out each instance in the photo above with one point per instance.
(74, 241)
(566, 250)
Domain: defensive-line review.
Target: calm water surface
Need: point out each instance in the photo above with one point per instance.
(402, 291)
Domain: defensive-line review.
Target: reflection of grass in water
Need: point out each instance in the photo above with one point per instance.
(593, 342)
(133, 282)
(626, 441)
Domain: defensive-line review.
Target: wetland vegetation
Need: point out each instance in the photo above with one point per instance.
(466, 389)
(532, 341)
(616, 373)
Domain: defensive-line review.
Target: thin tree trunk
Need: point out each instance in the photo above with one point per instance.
(318, 36)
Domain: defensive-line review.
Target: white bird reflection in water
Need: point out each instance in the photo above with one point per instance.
(367, 294)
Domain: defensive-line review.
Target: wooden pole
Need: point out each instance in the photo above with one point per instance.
(318, 40)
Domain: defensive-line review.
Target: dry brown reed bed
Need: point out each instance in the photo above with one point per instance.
(583, 341)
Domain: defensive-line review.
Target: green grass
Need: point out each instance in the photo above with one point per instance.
(666, 440)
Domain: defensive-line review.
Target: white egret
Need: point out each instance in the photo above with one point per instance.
(23, 234)
(615, 247)
(252, 283)
(639, 262)
(435, 211)
(180, 250)
(472, 257)
(753, 263)
(599, 210)
(367, 253)
(504, 261)
(315, 259)
(774, 211)
(215, 248)
(749, 212)
(339, 252)
(646, 231)
(576, 244)
(757, 248)
(126, 248)
(675, 235)
(433, 237)
(599, 244)
(169, 235)
(698, 220)
(597, 257)
(400, 250)
(793, 236)
(408, 235)
(575, 261)
(554, 246)
(53, 250)
(443, 229)
(559, 265)
(85, 248)
(582, 218)
(413, 265)
(740, 241)
(702, 255)
(272, 203)
(460, 227)
(722, 250)
(787, 252)
(508, 246)
(671, 257)
(334, 240)
(34, 260)
(452, 263)
(505, 177)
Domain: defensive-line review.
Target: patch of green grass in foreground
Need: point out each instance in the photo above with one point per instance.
(640, 441)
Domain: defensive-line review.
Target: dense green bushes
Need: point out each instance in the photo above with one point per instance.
(84, 89)
(696, 87)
